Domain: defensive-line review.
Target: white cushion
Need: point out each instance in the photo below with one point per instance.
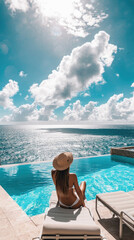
(69, 222)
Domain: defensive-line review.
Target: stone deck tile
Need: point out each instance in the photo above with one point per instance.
(14, 222)
(38, 219)
(6, 230)
(2, 215)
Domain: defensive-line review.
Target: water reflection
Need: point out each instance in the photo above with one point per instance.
(21, 179)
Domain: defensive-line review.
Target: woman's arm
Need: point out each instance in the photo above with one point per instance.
(78, 190)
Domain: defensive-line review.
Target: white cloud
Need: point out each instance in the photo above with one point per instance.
(132, 84)
(86, 95)
(116, 108)
(92, 20)
(117, 74)
(7, 92)
(79, 112)
(3, 48)
(46, 114)
(109, 110)
(22, 74)
(24, 113)
(29, 112)
(75, 16)
(76, 72)
(26, 97)
(21, 5)
(5, 119)
(89, 6)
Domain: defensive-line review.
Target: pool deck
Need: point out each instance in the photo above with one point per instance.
(16, 225)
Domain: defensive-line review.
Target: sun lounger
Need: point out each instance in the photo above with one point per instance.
(61, 223)
(121, 204)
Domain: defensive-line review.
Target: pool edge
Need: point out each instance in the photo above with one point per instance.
(38, 162)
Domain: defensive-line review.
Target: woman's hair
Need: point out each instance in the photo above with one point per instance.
(62, 180)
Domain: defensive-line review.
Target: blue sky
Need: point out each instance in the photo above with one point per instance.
(69, 61)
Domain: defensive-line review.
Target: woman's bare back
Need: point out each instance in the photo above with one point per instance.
(70, 197)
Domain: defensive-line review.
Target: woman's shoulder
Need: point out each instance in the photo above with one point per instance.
(73, 175)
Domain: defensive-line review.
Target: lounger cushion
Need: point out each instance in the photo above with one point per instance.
(69, 222)
(117, 201)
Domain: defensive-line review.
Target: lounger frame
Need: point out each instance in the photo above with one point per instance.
(120, 216)
(122, 220)
(57, 237)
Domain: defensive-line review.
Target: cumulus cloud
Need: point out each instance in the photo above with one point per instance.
(46, 114)
(30, 112)
(25, 112)
(7, 93)
(132, 84)
(109, 110)
(116, 108)
(79, 112)
(117, 75)
(75, 16)
(76, 72)
(22, 74)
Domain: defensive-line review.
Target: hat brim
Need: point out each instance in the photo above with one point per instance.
(66, 160)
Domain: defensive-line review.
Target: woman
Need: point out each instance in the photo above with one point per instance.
(70, 194)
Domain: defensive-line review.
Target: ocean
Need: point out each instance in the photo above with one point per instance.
(30, 143)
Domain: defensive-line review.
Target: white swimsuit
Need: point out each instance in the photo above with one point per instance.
(70, 206)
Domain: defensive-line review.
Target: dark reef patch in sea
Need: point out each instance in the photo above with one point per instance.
(103, 131)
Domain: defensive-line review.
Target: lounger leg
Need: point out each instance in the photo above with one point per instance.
(96, 201)
(121, 227)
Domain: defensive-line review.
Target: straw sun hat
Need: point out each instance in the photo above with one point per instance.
(63, 161)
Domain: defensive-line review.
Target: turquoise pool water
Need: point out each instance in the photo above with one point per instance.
(31, 185)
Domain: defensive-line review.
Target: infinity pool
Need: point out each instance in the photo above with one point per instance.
(31, 185)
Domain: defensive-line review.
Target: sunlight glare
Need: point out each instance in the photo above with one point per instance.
(58, 8)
